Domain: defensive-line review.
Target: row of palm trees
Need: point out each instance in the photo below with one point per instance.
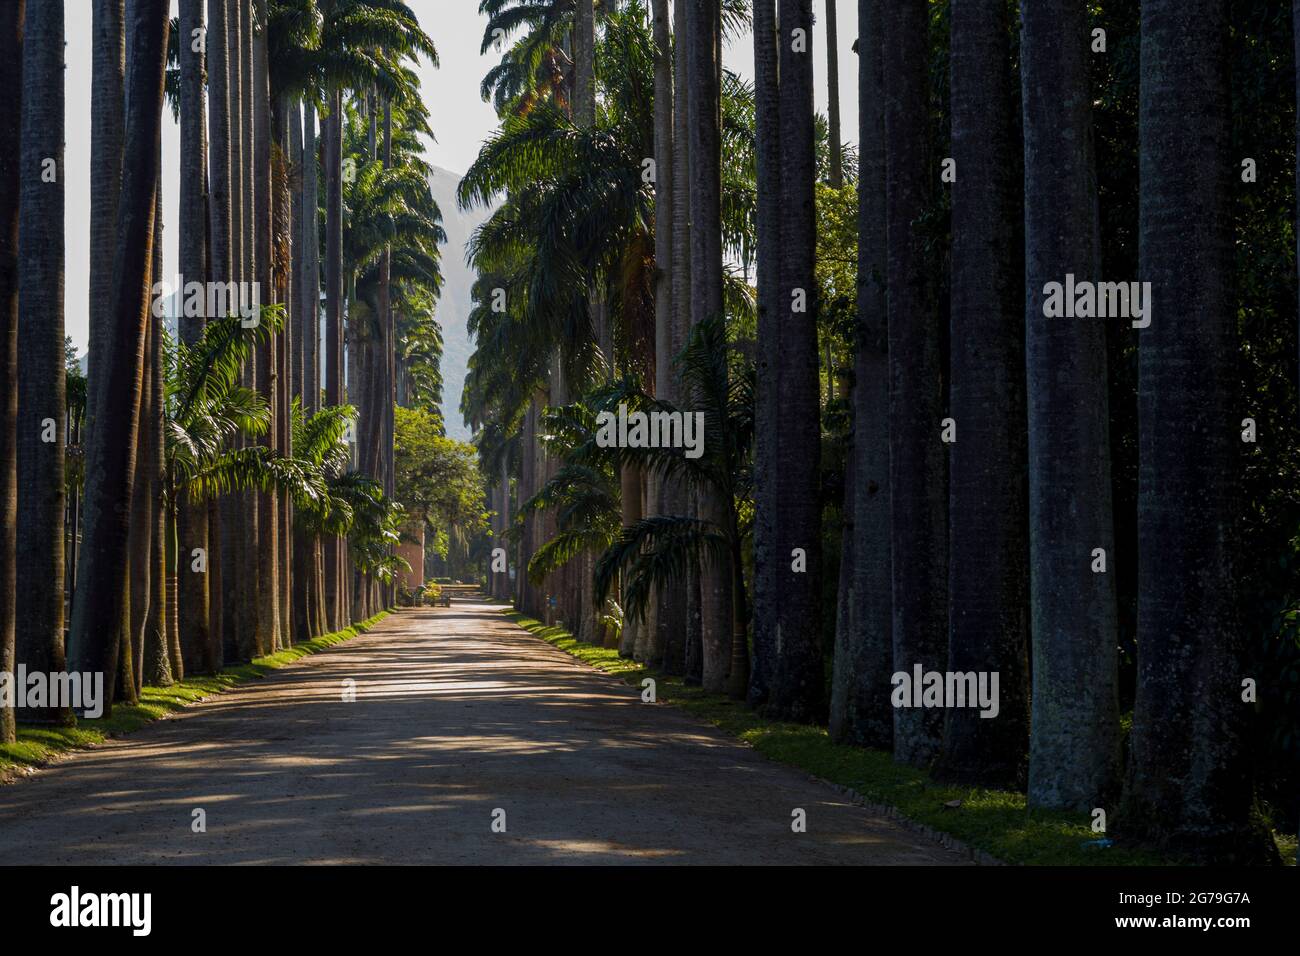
(229, 501)
(617, 271)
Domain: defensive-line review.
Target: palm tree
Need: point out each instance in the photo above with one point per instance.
(108, 65)
(663, 286)
(794, 673)
(333, 172)
(918, 500)
(41, 387)
(110, 458)
(11, 52)
(859, 707)
(220, 255)
(767, 125)
(194, 611)
(988, 572)
(160, 657)
(1074, 743)
(665, 646)
(268, 636)
(238, 524)
(703, 23)
(836, 177)
(584, 62)
(1190, 786)
(155, 642)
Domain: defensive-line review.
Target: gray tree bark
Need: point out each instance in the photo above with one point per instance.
(1074, 742)
(1190, 783)
(11, 73)
(41, 386)
(917, 470)
(795, 674)
(860, 681)
(988, 572)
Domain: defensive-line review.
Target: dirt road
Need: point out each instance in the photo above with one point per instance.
(458, 715)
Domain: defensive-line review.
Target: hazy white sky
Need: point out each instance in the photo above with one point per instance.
(461, 119)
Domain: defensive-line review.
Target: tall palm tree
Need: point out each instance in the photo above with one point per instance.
(703, 24)
(1074, 743)
(194, 612)
(110, 458)
(310, 295)
(666, 645)
(108, 65)
(268, 509)
(767, 128)
(836, 174)
(255, 630)
(39, 629)
(161, 658)
(918, 498)
(11, 70)
(794, 674)
(333, 171)
(664, 278)
(238, 523)
(151, 583)
(859, 707)
(988, 535)
(220, 256)
(1190, 786)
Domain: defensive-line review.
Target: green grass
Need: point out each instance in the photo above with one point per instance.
(38, 745)
(995, 821)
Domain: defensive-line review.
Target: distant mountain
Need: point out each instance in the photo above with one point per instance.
(454, 306)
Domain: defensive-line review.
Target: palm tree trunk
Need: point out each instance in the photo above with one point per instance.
(767, 557)
(297, 316)
(238, 522)
(110, 457)
(584, 66)
(664, 643)
(154, 661)
(310, 305)
(220, 265)
(390, 336)
(192, 516)
(836, 176)
(268, 510)
(281, 212)
(663, 283)
(860, 683)
(137, 571)
(108, 63)
(988, 573)
(41, 387)
(704, 96)
(504, 590)
(162, 662)
(300, 318)
(795, 690)
(309, 274)
(1190, 783)
(11, 68)
(918, 495)
(1074, 743)
(334, 325)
